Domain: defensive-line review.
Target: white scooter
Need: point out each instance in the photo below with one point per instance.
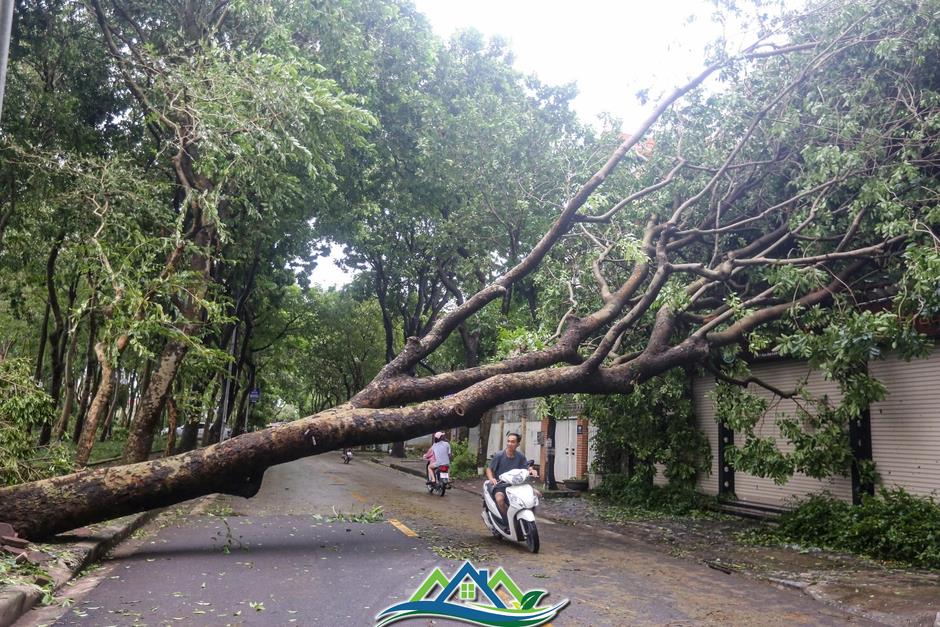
(522, 498)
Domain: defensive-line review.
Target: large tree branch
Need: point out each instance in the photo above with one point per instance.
(749, 322)
(416, 349)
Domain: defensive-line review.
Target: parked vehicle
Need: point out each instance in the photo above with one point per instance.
(441, 480)
(522, 498)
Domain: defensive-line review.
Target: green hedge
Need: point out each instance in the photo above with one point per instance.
(893, 525)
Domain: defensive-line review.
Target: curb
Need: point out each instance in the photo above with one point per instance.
(87, 545)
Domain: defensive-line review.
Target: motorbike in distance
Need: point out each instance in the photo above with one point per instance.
(522, 498)
(347, 455)
(441, 480)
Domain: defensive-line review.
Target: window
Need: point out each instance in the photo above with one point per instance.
(468, 591)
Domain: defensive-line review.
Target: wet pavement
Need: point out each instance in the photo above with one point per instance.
(280, 549)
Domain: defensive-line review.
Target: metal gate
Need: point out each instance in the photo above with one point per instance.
(566, 448)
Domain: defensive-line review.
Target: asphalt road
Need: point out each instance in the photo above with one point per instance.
(282, 558)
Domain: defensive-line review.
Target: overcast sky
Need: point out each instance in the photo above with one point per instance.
(610, 48)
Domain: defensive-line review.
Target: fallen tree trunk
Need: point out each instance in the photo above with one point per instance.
(236, 466)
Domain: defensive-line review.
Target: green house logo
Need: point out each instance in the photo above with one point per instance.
(473, 596)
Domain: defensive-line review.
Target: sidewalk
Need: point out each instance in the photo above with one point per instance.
(63, 558)
(881, 592)
(68, 554)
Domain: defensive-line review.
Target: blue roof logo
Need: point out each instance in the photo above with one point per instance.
(502, 602)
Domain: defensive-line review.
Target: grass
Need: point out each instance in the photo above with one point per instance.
(109, 449)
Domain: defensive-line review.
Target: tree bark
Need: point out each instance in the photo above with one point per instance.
(88, 382)
(172, 418)
(484, 439)
(150, 407)
(43, 334)
(153, 401)
(235, 466)
(8, 211)
(108, 426)
(56, 337)
(550, 455)
(65, 415)
(101, 402)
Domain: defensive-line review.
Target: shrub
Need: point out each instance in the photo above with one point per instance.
(463, 464)
(893, 525)
(639, 494)
(24, 407)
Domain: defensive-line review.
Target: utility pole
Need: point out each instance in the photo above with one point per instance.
(6, 28)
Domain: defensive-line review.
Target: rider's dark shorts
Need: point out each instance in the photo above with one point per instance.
(499, 487)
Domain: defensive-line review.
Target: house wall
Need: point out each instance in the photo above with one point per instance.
(707, 483)
(905, 429)
(747, 487)
(522, 417)
(905, 426)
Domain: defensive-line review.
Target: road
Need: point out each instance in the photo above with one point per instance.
(282, 558)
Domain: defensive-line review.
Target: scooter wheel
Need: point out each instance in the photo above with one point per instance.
(531, 533)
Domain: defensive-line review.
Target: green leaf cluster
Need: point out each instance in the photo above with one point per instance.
(654, 424)
(892, 525)
(24, 407)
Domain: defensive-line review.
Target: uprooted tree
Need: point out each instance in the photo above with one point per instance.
(767, 198)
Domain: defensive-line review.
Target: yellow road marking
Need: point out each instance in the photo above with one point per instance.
(358, 497)
(405, 530)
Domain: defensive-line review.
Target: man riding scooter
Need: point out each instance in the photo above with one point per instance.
(509, 459)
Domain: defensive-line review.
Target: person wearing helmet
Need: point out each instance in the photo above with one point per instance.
(439, 454)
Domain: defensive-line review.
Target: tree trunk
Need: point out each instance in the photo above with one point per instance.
(57, 336)
(108, 426)
(66, 413)
(150, 407)
(143, 382)
(550, 455)
(43, 334)
(9, 209)
(471, 357)
(88, 383)
(214, 424)
(100, 404)
(484, 440)
(172, 417)
(235, 466)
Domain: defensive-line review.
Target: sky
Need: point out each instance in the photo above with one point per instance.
(609, 48)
